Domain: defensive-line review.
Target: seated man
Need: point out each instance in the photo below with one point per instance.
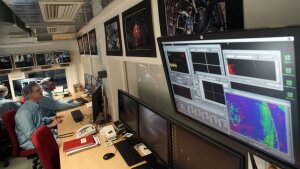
(28, 117)
(6, 104)
(48, 105)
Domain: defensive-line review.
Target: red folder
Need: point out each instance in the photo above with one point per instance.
(78, 143)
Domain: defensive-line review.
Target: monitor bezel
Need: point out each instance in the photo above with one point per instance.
(255, 33)
(36, 62)
(33, 58)
(11, 62)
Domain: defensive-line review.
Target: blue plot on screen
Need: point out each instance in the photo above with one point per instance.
(258, 120)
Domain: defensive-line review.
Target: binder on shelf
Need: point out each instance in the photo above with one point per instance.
(80, 144)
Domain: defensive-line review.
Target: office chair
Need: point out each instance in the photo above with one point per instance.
(4, 147)
(9, 122)
(46, 147)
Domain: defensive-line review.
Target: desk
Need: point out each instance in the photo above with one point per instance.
(88, 159)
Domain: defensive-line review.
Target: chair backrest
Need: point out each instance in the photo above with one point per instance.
(46, 147)
(9, 122)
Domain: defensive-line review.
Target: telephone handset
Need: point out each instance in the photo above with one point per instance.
(85, 130)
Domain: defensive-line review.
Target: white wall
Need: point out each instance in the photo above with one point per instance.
(72, 71)
(271, 13)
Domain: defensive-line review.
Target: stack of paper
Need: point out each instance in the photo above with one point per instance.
(80, 144)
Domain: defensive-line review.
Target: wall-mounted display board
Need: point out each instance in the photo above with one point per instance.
(80, 45)
(86, 45)
(113, 37)
(138, 30)
(179, 17)
(93, 42)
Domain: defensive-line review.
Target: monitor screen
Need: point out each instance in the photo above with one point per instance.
(43, 59)
(97, 102)
(128, 111)
(59, 75)
(61, 57)
(23, 60)
(242, 84)
(5, 63)
(154, 130)
(90, 83)
(4, 81)
(18, 84)
(191, 151)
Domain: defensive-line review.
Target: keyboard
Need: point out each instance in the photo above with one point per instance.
(143, 166)
(81, 100)
(77, 115)
(129, 154)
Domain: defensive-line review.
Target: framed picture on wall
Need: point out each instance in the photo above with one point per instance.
(93, 42)
(179, 17)
(113, 37)
(138, 30)
(86, 45)
(80, 45)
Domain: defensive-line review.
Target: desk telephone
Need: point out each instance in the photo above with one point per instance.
(85, 130)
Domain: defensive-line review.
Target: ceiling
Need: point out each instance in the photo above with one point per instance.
(55, 19)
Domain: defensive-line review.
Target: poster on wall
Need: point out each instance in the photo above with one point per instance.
(80, 45)
(85, 41)
(93, 42)
(113, 37)
(179, 17)
(138, 30)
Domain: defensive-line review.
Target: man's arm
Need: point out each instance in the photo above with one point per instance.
(52, 104)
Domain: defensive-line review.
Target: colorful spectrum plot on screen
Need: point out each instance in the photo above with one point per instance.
(258, 120)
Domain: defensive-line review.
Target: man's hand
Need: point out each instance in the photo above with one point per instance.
(58, 116)
(55, 120)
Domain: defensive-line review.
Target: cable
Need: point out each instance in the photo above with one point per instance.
(253, 163)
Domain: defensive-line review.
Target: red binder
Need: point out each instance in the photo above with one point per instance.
(78, 143)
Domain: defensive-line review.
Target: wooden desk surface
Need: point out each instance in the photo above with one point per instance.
(91, 158)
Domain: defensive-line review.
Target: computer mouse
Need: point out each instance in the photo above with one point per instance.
(108, 156)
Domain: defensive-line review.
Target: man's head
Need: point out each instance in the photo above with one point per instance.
(3, 90)
(48, 83)
(32, 92)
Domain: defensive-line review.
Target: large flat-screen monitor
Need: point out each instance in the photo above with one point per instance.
(128, 111)
(243, 84)
(44, 59)
(61, 57)
(192, 151)
(154, 130)
(23, 60)
(5, 63)
(97, 101)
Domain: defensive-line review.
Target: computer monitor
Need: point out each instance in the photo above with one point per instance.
(62, 57)
(242, 84)
(97, 102)
(192, 151)
(59, 75)
(18, 84)
(154, 130)
(23, 61)
(5, 81)
(128, 111)
(44, 59)
(5, 63)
